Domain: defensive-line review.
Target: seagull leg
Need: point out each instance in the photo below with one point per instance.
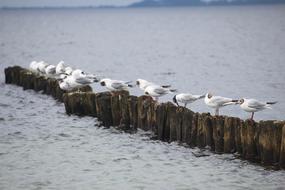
(185, 105)
(217, 111)
(252, 114)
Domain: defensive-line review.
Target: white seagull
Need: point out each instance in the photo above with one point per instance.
(156, 91)
(218, 101)
(34, 66)
(60, 68)
(115, 85)
(68, 70)
(50, 71)
(186, 98)
(253, 105)
(77, 80)
(41, 66)
(142, 84)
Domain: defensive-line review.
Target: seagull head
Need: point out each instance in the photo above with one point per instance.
(241, 101)
(103, 82)
(209, 95)
(138, 82)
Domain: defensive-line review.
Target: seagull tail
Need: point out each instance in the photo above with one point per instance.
(233, 102)
(166, 86)
(172, 90)
(271, 103)
(202, 96)
(128, 82)
(131, 86)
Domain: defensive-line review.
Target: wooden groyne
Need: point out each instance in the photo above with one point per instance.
(262, 142)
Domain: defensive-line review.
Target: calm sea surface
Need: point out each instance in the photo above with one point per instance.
(231, 51)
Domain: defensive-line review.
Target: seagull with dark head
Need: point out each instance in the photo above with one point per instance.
(186, 98)
(253, 105)
(156, 91)
(143, 84)
(115, 85)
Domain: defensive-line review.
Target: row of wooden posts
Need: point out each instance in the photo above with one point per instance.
(262, 142)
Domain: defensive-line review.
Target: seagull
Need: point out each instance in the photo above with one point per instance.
(68, 70)
(156, 91)
(41, 66)
(60, 68)
(218, 101)
(142, 84)
(253, 105)
(50, 71)
(186, 98)
(115, 85)
(34, 66)
(77, 73)
(77, 80)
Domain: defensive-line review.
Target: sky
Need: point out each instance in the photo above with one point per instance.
(70, 3)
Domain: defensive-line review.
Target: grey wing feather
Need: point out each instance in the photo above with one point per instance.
(159, 91)
(83, 80)
(118, 85)
(255, 104)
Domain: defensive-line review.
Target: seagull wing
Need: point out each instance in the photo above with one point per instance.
(255, 104)
(160, 90)
(82, 80)
(118, 85)
(220, 100)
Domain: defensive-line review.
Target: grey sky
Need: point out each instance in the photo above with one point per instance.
(70, 3)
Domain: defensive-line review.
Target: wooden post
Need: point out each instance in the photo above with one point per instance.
(205, 131)
(103, 108)
(269, 141)
(133, 111)
(120, 111)
(145, 108)
(218, 133)
(248, 140)
(230, 125)
(282, 149)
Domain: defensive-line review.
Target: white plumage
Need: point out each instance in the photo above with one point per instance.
(186, 98)
(253, 105)
(156, 91)
(115, 85)
(217, 102)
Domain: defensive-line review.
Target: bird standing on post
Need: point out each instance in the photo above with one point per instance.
(253, 105)
(217, 102)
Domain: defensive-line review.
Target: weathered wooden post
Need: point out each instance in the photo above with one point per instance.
(282, 149)
(230, 136)
(145, 110)
(40, 83)
(120, 109)
(133, 111)
(269, 141)
(103, 108)
(249, 139)
(8, 77)
(187, 126)
(80, 103)
(163, 132)
(218, 133)
(27, 78)
(205, 131)
(174, 122)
